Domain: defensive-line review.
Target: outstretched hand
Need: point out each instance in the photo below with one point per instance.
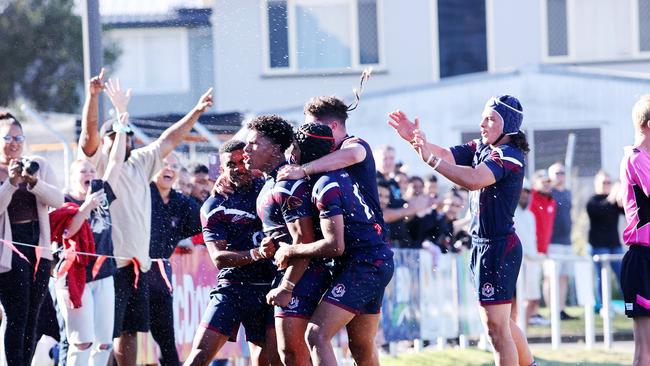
(205, 101)
(118, 97)
(402, 125)
(96, 84)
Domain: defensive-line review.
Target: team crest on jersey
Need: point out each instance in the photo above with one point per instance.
(293, 202)
(487, 290)
(338, 290)
(293, 303)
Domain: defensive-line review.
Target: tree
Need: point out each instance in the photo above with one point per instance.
(41, 54)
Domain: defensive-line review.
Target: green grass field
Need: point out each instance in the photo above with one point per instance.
(569, 354)
(474, 357)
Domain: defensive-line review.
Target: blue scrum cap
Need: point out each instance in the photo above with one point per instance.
(510, 110)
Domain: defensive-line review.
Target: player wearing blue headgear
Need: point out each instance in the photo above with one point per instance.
(492, 167)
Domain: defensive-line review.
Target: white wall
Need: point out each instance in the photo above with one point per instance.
(514, 31)
(551, 100)
(240, 81)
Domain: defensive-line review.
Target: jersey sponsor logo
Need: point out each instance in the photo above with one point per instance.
(487, 290)
(338, 290)
(293, 202)
(293, 303)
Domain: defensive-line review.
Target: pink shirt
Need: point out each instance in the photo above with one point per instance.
(635, 185)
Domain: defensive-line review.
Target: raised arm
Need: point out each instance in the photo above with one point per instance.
(173, 136)
(118, 151)
(472, 178)
(406, 130)
(89, 136)
(92, 201)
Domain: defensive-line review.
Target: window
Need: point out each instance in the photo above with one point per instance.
(462, 37)
(153, 60)
(306, 35)
(644, 25)
(551, 146)
(556, 22)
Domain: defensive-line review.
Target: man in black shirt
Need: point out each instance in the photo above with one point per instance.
(604, 212)
(173, 217)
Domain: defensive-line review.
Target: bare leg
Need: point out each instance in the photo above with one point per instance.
(496, 319)
(205, 346)
(291, 341)
(523, 351)
(327, 320)
(641, 341)
(362, 330)
(271, 348)
(126, 349)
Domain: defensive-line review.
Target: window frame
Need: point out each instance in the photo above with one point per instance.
(293, 69)
(435, 38)
(183, 59)
(635, 52)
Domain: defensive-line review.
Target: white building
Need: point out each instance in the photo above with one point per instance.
(576, 65)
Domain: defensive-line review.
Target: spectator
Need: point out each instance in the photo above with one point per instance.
(561, 237)
(525, 226)
(398, 211)
(438, 227)
(431, 185)
(27, 191)
(604, 212)
(543, 207)
(402, 181)
(173, 217)
(183, 183)
(415, 187)
(132, 212)
(201, 184)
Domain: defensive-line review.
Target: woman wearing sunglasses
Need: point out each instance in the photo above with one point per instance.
(28, 189)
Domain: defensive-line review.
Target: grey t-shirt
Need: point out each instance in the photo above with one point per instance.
(562, 224)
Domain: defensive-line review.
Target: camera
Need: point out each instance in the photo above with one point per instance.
(29, 166)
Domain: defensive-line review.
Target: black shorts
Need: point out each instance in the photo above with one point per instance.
(494, 267)
(635, 281)
(131, 304)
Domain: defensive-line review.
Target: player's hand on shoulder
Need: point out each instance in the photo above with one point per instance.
(291, 172)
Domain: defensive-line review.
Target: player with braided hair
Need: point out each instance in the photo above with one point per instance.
(363, 262)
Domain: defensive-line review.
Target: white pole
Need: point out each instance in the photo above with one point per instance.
(556, 337)
(590, 336)
(607, 321)
(521, 305)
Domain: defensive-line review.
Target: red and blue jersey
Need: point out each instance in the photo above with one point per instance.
(493, 207)
(282, 202)
(233, 220)
(335, 193)
(364, 174)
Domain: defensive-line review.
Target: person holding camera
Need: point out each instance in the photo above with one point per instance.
(28, 189)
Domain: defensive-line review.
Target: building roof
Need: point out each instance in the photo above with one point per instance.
(182, 17)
